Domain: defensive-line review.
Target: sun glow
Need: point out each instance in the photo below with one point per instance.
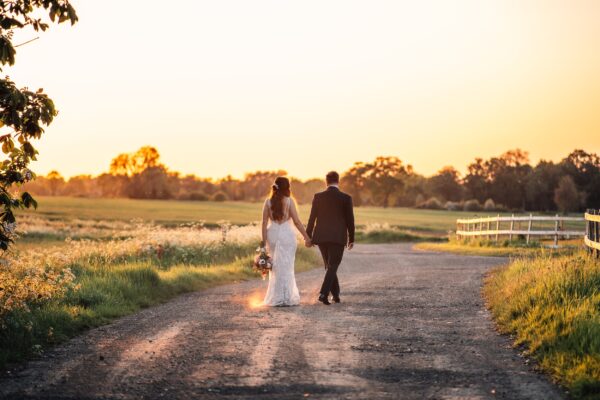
(433, 82)
(255, 301)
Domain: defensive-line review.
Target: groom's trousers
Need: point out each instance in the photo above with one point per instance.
(332, 257)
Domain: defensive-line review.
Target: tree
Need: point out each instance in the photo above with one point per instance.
(151, 183)
(446, 184)
(584, 168)
(22, 112)
(566, 196)
(383, 178)
(55, 182)
(477, 180)
(135, 163)
(508, 177)
(540, 186)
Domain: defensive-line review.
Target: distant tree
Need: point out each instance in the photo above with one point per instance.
(353, 181)
(231, 188)
(146, 157)
(257, 185)
(446, 184)
(151, 183)
(22, 112)
(135, 163)
(566, 196)
(477, 180)
(55, 182)
(541, 184)
(109, 185)
(121, 165)
(383, 178)
(584, 168)
(79, 186)
(508, 175)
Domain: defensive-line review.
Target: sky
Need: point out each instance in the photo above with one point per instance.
(232, 86)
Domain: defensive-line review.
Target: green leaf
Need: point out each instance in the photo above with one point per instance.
(28, 201)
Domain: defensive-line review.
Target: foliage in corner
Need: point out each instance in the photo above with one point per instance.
(22, 112)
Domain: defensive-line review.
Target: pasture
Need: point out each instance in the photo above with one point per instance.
(167, 212)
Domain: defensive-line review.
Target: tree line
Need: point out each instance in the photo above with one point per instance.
(505, 182)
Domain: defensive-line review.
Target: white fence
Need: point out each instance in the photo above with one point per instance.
(492, 227)
(592, 231)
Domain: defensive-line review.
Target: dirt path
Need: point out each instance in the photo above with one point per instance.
(411, 326)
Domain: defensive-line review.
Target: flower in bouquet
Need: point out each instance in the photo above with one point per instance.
(263, 262)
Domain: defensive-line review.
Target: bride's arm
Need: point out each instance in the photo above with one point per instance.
(297, 222)
(265, 221)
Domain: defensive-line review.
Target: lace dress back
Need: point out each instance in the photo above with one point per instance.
(282, 244)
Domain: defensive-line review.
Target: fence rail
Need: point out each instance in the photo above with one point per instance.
(592, 231)
(473, 227)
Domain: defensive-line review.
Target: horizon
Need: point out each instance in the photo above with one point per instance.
(340, 171)
(231, 87)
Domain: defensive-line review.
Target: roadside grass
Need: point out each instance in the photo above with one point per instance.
(108, 291)
(552, 306)
(515, 248)
(394, 235)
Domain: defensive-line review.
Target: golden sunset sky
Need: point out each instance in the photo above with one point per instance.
(226, 87)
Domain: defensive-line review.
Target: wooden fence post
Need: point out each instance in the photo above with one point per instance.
(556, 231)
(480, 228)
(587, 228)
(512, 226)
(497, 227)
(529, 227)
(488, 229)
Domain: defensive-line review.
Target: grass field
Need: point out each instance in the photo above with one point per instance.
(237, 213)
(54, 286)
(552, 306)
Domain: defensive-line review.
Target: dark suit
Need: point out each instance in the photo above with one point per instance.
(331, 227)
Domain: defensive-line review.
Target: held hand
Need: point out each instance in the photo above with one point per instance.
(350, 245)
(308, 242)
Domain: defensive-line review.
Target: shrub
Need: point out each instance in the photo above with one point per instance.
(220, 196)
(419, 200)
(432, 204)
(489, 205)
(472, 205)
(453, 206)
(197, 196)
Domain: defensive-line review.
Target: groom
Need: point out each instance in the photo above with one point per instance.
(334, 217)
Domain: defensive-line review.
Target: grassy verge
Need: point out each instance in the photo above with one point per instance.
(491, 249)
(393, 235)
(552, 306)
(107, 291)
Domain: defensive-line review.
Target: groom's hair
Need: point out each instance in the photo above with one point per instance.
(332, 177)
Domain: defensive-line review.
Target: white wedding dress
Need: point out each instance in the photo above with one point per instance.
(281, 244)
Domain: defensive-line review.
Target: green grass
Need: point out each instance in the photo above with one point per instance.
(109, 291)
(501, 249)
(391, 235)
(552, 306)
(172, 212)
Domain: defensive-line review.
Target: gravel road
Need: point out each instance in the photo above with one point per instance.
(411, 325)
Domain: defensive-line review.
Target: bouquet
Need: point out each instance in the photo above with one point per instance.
(262, 262)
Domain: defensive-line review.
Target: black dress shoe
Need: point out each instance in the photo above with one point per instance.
(323, 299)
(336, 299)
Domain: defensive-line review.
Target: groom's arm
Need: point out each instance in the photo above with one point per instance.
(313, 218)
(350, 220)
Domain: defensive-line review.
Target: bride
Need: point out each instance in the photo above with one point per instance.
(280, 210)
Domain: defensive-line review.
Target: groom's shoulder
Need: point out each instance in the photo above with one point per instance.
(346, 195)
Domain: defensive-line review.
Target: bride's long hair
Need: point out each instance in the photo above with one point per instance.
(280, 190)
